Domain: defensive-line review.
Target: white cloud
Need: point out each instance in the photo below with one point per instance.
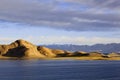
(63, 40)
(102, 15)
(5, 40)
(73, 40)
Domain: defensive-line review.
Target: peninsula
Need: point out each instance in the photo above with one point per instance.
(21, 49)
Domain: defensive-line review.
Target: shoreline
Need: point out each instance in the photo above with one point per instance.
(61, 58)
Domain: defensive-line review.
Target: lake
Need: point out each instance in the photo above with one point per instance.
(59, 70)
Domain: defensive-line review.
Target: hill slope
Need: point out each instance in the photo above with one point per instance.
(22, 48)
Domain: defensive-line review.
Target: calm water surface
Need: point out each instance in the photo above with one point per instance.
(59, 70)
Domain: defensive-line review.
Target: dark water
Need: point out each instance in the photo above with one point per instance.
(59, 70)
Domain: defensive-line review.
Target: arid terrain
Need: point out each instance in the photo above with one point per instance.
(21, 49)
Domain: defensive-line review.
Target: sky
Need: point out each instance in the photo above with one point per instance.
(79, 22)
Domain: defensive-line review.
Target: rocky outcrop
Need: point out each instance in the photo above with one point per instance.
(46, 51)
(20, 48)
(96, 54)
(114, 55)
(53, 52)
(80, 53)
(61, 53)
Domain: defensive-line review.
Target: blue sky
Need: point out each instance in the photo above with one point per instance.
(60, 21)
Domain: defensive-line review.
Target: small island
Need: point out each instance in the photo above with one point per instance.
(21, 49)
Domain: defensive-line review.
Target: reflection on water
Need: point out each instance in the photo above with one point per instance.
(59, 70)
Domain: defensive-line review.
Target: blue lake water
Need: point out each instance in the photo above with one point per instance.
(59, 70)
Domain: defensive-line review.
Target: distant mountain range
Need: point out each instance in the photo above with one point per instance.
(104, 48)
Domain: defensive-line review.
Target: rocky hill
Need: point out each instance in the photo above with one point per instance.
(20, 48)
(24, 49)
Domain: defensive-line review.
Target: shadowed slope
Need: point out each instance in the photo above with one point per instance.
(20, 48)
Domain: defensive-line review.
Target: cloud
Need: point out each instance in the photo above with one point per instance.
(77, 40)
(5, 40)
(76, 15)
(64, 40)
(97, 3)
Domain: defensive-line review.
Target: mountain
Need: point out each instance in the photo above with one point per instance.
(103, 48)
(21, 49)
(24, 49)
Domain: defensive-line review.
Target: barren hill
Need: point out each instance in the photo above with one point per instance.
(24, 49)
(21, 48)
